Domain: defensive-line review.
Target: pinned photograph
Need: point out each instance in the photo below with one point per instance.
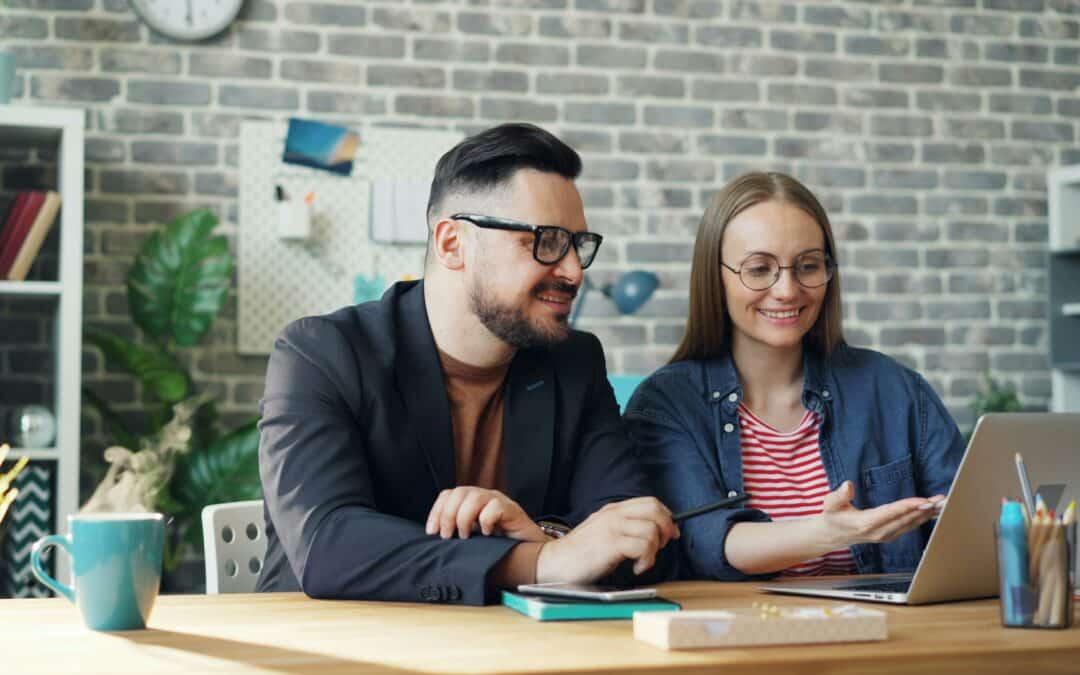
(321, 146)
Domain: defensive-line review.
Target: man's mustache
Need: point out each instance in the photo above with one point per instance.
(558, 287)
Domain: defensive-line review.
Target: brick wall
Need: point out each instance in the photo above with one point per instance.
(926, 126)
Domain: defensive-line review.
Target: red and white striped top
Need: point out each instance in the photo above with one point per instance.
(785, 475)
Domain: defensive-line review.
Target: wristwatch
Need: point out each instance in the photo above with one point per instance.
(553, 529)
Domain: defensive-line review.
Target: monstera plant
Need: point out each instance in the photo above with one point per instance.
(176, 287)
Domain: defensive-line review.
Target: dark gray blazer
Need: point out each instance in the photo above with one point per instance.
(356, 444)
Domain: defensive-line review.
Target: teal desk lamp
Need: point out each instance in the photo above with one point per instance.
(629, 292)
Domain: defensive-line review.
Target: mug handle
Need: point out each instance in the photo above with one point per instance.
(35, 562)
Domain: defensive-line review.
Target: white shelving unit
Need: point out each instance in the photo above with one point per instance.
(1063, 187)
(60, 130)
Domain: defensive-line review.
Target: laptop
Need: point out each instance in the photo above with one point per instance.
(959, 562)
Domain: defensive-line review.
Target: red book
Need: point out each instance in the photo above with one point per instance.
(13, 215)
(35, 237)
(19, 229)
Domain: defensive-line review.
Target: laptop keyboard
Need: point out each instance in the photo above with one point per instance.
(883, 587)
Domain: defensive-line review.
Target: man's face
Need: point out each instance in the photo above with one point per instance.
(521, 301)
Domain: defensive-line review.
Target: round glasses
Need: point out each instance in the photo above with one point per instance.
(761, 271)
(550, 242)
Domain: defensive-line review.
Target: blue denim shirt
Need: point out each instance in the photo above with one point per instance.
(882, 427)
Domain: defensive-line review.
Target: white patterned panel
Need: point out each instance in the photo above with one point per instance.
(282, 280)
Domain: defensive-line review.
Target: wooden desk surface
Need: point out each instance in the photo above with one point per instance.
(289, 633)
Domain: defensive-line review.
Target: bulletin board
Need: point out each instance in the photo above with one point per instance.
(281, 280)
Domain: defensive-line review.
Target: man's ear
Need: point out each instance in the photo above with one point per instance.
(448, 243)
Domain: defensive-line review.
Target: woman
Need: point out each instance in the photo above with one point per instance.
(846, 453)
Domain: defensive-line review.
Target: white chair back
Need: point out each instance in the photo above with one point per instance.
(235, 544)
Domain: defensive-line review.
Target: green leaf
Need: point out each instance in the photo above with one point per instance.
(225, 471)
(113, 422)
(157, 370)
(180, 278)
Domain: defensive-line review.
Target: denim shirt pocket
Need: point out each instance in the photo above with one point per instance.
(889, 482)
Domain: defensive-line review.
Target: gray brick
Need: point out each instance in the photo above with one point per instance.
(493, 80)
(367, 46)
(725, 146)
(35, 57)
(144, 182)
(1029, 181)
(272, 98)
(258, 10)
(481, 23)
(599, 198)
(977, 362)
(532, 4)
(583, 27)
(434, 106)
(757, 11)
(1043, 131)
(802, 41)
(96, 30)
(689, 9)
(957, 257)
(217, 64)
(600, 113)
(984, 336)
(1032, 336)
(862, 97)
(137, 121)
(835, 16)
(1049, 79)
(418, 20)
(87, 89)
(725, 90)
(848, 123)
(911, 179)
(655, 142)
(636, 86)
(1051, 27)
(979, 76)
(610, 169)
(327, 14)
(578, 83)
(873, 258)
(678, 116)
(517, 109)
(627, 6)
(827, 148)
(1037, 386)
(1023, 104)
(942, 205)
(106, 211)
(898, 337)
(802, 94)
(305, 70)
(977, 231)
(689, 61)
(532, 55)
(831, 176)
(1067, 56)
(337, 102)
(890, 310)
(658, 252)
(728, 36)
(405, 76)
(1014, 5)
(53, 5)
(850, 231)
(611, 57)
(587, 140)
(763, 64)
(1027, 53)
(906, 283)
(838, 69)
(655, 32)
(1026, 207)
(980, 129)
(219, 184)
(450, 50)
(104, 150)
(758, 120)
(1021, 309)
(1036, 233)
(983, 24)
(266, 40)
(921, 22)
(884, 205)
(901, 125)
(1068, 107)
(120, 60)
(680, 170)
(864, 45)
(910, 72)
(949, 101)
(974, 180)
(23, 27)
(889, 152)
(950, 153)
(171, 152)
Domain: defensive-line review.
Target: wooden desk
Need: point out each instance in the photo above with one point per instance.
(289, 633)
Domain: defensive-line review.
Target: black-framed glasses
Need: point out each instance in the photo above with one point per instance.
(550, 242)
(760, 271)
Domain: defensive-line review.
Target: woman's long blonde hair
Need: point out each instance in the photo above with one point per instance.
(708, 326)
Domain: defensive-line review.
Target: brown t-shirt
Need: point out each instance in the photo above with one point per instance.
(476, 414)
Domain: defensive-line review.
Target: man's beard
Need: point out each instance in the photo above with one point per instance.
(512, 326)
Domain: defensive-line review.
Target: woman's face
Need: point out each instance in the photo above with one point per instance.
(782, 314)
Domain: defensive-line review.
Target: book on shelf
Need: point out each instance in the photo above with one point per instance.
(35, 237)
(14, 217)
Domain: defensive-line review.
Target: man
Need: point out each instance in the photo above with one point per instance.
(437, 444)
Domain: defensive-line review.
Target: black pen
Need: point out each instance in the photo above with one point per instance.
(730, 501)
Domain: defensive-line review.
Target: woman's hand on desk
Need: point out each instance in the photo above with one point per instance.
(466, 509)
(845, 525)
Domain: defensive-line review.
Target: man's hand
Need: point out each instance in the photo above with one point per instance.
(635, 529)
(845, 525)
(468, 508)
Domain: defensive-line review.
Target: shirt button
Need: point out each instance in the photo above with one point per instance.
(732, 493)
(716, 395)
(728, 428)
(825, 393)
(733, 397)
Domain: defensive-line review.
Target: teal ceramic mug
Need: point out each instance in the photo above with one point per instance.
(116, 564)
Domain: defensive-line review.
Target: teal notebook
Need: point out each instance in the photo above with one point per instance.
(568, 609)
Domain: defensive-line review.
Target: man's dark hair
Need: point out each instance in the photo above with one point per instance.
(490, 157)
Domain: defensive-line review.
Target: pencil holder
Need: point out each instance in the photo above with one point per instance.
(1035, 575)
